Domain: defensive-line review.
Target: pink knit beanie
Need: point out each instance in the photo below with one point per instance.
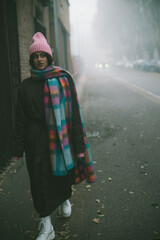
(39, 44)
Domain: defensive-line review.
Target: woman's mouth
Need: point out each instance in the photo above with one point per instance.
(40, 65)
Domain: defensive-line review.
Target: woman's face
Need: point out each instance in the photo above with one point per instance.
(40, 60)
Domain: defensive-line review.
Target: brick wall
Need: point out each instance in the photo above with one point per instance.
(46, 23)
(26, 31)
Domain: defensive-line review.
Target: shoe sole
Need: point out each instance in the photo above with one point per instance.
(51, 236)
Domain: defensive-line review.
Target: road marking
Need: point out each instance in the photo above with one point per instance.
(141, 90)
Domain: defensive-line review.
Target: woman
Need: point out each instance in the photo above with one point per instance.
(50, 129)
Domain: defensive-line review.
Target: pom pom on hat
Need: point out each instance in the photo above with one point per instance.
(39, 44)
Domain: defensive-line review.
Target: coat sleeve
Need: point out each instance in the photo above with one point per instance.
(20, 126)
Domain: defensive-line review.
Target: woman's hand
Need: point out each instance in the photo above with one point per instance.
(80, 155)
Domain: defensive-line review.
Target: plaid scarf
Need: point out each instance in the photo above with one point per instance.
(67, 135)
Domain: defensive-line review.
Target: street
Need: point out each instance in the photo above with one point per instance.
(121, 114)
(124, 135)
(145, 82)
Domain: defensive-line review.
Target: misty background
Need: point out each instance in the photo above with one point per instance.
(114, 30)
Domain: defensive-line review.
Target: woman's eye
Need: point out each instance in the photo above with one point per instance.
(34, 56)
(43, 55)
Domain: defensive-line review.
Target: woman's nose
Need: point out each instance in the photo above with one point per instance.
(39, 58)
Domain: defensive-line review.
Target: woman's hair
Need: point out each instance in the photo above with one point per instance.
(49, 59)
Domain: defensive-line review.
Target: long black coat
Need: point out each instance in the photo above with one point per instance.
(31, 135)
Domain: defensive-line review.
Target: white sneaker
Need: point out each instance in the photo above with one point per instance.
(66, 209)
(47, 231)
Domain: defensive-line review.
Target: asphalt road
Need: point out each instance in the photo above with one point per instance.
(122, 124)
(124, 135)
(142, 81)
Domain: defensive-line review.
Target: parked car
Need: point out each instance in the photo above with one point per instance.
(158, 66)
(128, 65)
(147, 65)
(153, 65)
(137, 64)
(141, 64)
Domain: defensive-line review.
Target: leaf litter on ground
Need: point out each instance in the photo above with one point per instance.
(96, 220)
(98, 200)
(100, 214)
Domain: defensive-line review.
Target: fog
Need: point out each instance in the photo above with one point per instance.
(82, 15)
(111, 31)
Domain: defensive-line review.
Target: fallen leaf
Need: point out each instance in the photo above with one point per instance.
(73, 189)
(100, 214)
(102, 206)
(103, 181)
(131, 192)
(67, 237)
(88, 186)
(75, 235)
(109, 179)
(98, 200)
(96, 220)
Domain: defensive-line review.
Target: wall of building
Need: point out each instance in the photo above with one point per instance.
(26, 31)
(63, 13)
(47, 24)
(26, 13)
(64, 34)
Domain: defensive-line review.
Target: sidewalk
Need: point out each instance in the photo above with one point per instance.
(18, 218)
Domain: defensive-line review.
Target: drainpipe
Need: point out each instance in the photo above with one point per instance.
(56, 31)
